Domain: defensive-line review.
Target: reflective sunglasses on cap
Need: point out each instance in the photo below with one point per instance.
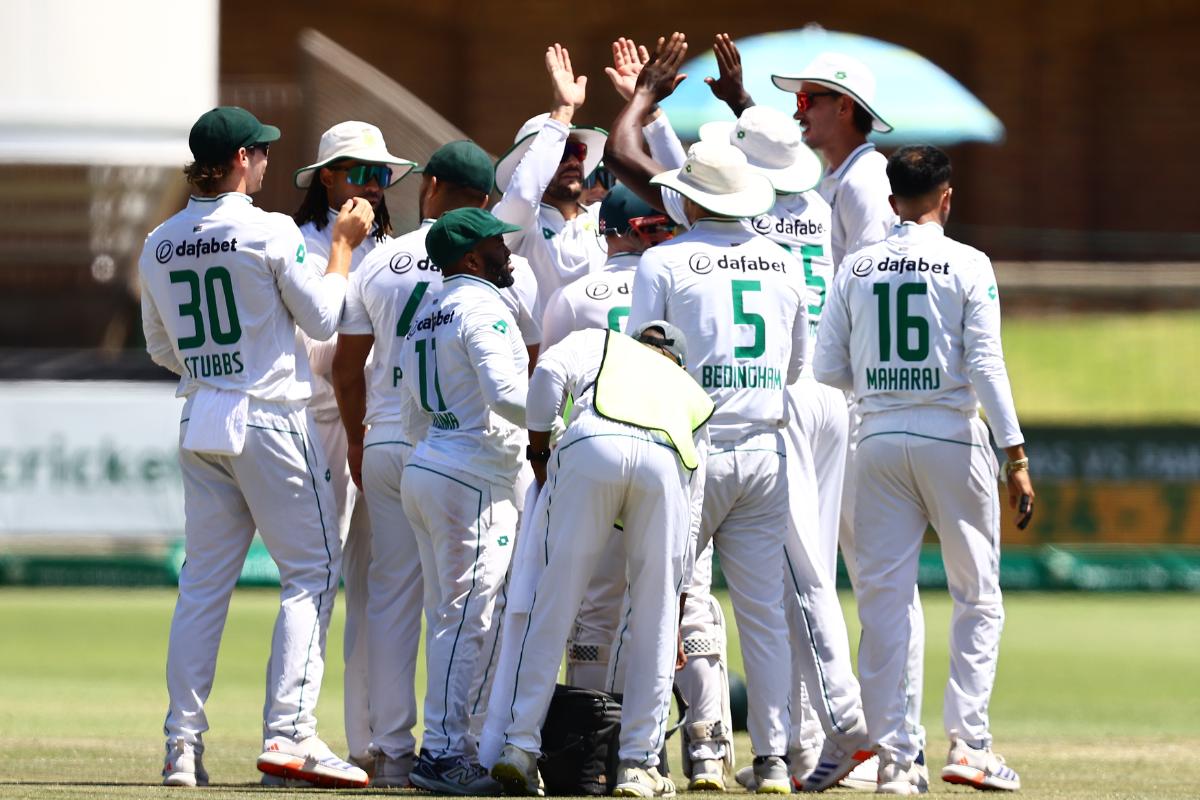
(576, 148)
(653, 229)
(600, 177)
(804, 100)
(362, 174)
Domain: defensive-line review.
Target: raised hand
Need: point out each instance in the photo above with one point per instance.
(660, 75)
(628, 59)
(569, 91)
(728, 86)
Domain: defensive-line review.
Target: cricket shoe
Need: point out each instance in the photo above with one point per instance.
(708, 775)
(277, 782)
(864, 776)
(452, 774)
(309, 760)
(392, 773)
(183, 765)
(517, 773)
(638, 779)
(980, 768)
(896, 778)
(771, 775)
(836, 762)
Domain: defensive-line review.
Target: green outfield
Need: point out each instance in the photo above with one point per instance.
(1095, 697)
(1104, 368)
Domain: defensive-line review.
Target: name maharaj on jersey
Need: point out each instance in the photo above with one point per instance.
(904, 379)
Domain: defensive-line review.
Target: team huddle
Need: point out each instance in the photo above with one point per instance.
(536, 426)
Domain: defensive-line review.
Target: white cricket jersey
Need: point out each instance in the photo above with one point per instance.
(558, 250)
(800, 223)
(320, 354)
(464, 365)
(601, 300)
(915, 321)
(739, 299)
(224, 285)
(385, 294)
(857, 192)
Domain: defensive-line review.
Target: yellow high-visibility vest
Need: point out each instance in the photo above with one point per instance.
(640, 387)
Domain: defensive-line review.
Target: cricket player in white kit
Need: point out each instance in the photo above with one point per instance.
(633, 451)
(383, 300)
(739, 300)
(913, 327)
(224, 287)
(352, 161)
(464, 372)
(541, 177)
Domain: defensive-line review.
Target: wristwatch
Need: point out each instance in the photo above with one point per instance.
(536, 455)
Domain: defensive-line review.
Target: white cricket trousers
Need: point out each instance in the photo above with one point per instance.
(603, 470)
(823, 674)
(704, 681)
(395, 594)
(354, 532)
(914, 667)
(916, 467)
(590, 646)
(745, 515)
(280, 484)
(465, 527)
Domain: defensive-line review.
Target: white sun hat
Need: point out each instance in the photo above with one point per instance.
(771, 141)
(841, 73)
(717, 176)
(594, 138)
(360, 141)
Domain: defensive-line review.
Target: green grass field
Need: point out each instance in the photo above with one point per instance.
(1095, 698)
(1104, 368)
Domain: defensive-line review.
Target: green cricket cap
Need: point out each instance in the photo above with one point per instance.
(464, 163)
(621, 205)
(219, 133)
(457, 232)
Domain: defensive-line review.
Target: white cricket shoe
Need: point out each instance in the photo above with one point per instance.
(896, 778)
(517, 773)
(636, 779)
(183, 765)
(708, 775)
(771, 775)
(392, 773)
(863, 777)
(980, 768)
(836, 761)
(309, 760)
(745, 778)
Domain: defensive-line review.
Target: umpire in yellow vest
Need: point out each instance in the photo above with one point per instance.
(631, 452)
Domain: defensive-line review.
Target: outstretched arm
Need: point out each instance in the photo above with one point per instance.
(727, 86)
(623, 154)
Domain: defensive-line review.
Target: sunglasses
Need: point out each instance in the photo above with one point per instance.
(653, 229)
(600, 177)
(804, 100)
(265, 147)
(362, 174)
(575, 148)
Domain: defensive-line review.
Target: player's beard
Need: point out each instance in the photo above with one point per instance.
(496, 271)
(564, 192)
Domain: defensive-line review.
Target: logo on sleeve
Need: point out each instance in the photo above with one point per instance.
(546, 232)
(500, 325)
(300, 253)
(992, 292)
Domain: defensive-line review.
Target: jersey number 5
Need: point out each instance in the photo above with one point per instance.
(743, 317)
(906, 323)
(213, 277)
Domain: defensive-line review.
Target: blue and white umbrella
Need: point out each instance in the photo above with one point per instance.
(921, 101)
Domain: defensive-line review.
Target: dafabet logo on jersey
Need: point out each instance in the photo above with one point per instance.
(166, 248)
(866, 265)
(598, 290)
(789, 227)
(403, 262)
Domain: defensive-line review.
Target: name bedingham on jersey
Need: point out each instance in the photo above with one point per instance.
(915, 320)
(801, 223)
(599, 300)
(462, 349)
(739, 299)
(224, 287)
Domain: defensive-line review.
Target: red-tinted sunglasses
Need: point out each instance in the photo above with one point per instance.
(804, 100)
(575, 148)
(653, 229)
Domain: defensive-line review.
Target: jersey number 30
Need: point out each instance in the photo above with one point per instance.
(213, 277)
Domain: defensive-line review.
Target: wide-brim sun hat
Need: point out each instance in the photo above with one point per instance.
(841, 73)
(718, 177)
(771, 141)
(357, 141)
(594, 138)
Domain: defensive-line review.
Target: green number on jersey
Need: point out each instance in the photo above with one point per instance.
(424, 373)
(809, 252)
(906, 323)
(743, 317)
(615, 315)
(191, 308)
(410, 308)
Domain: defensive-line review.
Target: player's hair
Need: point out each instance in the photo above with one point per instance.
(314, 208)
(862, 119)
(459, 196)
(206, 177)
(917, 170)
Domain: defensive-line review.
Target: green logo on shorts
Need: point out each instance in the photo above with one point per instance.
(300, 254)
(500, 325)
(549, 234)
(502, 541)
(328, 475)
